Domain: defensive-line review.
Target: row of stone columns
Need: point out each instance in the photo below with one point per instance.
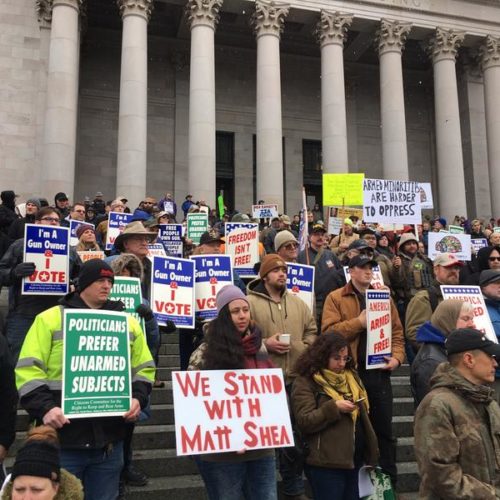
(268, 21)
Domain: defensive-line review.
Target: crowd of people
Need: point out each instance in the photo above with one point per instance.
(341, 410)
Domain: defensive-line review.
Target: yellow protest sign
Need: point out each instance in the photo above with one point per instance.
(343, 189)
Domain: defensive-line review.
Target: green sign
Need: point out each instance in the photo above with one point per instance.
(96, 364)
(456, 229)
(128, 290)
(197, 224)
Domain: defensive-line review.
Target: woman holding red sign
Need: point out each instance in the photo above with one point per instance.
(330, 407)
(232, 342)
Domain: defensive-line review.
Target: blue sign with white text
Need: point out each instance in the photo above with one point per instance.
(170, 236)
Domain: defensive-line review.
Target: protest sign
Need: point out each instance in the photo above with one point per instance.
(116, 224)
(212, 272)
(128, 290)
(242, 244)
(48, 248)
(300, 282)
(456, 229)
(343, 189)
(391, 201)
(379, 328)
(168, 206)
(230, 410)
(458, 244)
(496, 229)
(425, 190)
(197, 224)
(156, 250)
(345, 212)
(170, 236)
(264, 211)
(335, 225)
(472, 295)
(478, 243)
(377, 282)
(96, 364)
(172, 291)
(73, 226)
(85, 256)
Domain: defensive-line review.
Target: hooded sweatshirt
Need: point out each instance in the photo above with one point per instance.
(457, 439)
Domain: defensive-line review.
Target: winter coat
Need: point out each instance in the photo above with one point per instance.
(493, 307)
(8, 395)
(457, 439)
(328, 433)
(70, 488)
(39, 375)
(481, 263)
(340, 314)
(431, 353)
(291, 316)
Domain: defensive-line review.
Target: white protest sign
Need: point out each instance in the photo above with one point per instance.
(230, 410)
(89, 255)
(168, 206)
(377, 281)
(170, 235)
(300, 282)
(264, 211)
(478, 243)
(458, 244)
(156, 250)
(379, 328)
(391, 201)
(242, 244)
(73, 226)
(116, 224)
(48, 248)
(472, 295)
(335, 225)
(172, 291)
(425, 190)
(212, 272)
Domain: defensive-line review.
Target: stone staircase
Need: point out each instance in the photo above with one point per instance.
(176, 477)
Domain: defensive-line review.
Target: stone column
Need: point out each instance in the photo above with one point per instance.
(59, 143)
(391, 38)
(131, 166)
(202, 16)
(331, 30)
(443, 50)
(490, 61)
(268, 20)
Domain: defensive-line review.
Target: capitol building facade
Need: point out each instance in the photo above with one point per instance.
(254, 98)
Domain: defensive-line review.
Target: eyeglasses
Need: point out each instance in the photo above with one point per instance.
(291, 246)
(366, 252)
(79, 211)
(345, 359)
(492, 259)
(50, 219)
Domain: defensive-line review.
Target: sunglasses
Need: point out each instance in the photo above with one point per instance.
(291, 246)
(492, 259)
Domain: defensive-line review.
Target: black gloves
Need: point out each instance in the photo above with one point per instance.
(144, 312)
(170, 327)
(24, 269)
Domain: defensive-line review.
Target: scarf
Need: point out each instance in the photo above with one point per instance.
(342, 386)
(256, 355)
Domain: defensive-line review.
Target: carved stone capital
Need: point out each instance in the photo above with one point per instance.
(489, 52)
(44, 11)
(76, 4)
(142, 8)
(332, 27)
(269, 17)
(203, 12)
(391, 36)
(445, 44)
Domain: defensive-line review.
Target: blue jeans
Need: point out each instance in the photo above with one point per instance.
(340, 484)
(98, 470)
(254, 479)
(16, 328)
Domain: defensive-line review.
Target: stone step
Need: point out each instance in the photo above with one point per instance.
(402, 426)
(160, 463)
(154, 437)
(189, 487)
(405, 451)
(408, 478)
(401, 387)
(171, 349)
(403, 406)
(170, 338)
(169, 361)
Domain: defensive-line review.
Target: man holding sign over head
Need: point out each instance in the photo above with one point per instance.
(345, 312)
(92, 447)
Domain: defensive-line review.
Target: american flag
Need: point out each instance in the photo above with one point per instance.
(304, 227)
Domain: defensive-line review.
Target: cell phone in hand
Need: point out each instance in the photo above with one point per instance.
(359, 400)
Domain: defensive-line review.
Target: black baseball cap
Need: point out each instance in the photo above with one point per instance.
(210, 237)
(318, 228)
(489, 276)
(359, 244)
(361, 261)
(468, 339)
